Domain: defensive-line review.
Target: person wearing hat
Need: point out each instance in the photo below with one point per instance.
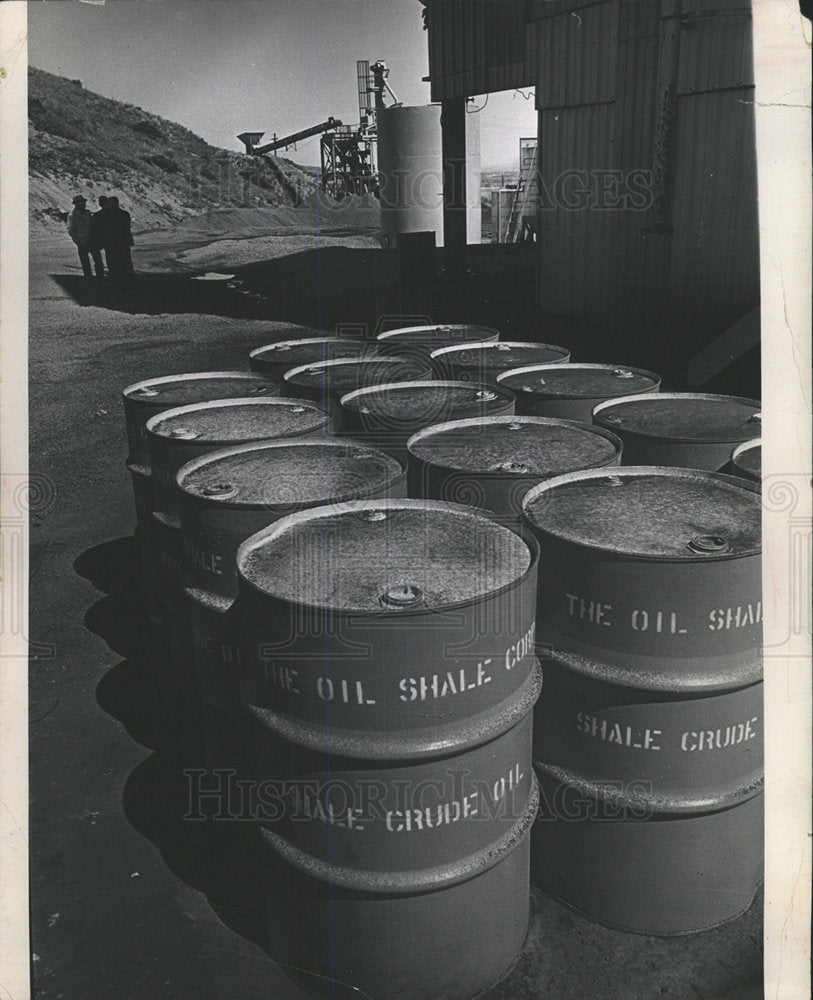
(79, 232)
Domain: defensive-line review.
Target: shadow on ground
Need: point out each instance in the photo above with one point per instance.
(204, 826)
(365, 290)
(154, 294)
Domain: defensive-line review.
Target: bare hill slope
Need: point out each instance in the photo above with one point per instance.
(82, 143)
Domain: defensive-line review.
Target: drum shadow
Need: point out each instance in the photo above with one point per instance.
(198, 822)
(113, 567)
(138, 691)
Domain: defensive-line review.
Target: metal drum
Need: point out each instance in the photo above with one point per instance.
(388, 415)
(647, 872)
(389, 661)
(229, 495)
(186, 432)
(572, 391)
(424, 650)
(493, 462)
(276, 359)
(422, 340)
(327, 381)
(746, 460)
(649, 742)
(655, 571)
(683, 429)
(424, 892)
(484, 361)
(143, 400)
(663, 751)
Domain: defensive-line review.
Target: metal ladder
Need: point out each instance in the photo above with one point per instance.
(527, 193)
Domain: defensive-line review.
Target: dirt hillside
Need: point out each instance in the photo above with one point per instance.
(80, 142)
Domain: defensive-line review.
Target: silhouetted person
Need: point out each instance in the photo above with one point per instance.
(114, 229)
(79, 230)
(97, 229)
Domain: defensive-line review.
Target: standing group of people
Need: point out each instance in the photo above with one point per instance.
(107, 230)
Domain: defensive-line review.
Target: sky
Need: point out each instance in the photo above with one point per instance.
(220, 67)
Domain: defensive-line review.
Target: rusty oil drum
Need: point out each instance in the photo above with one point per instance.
(425, 339)
(650, 766)
(388, 415)
(680, 429)
(746, 460)
(146, 399)
(654, 571)
(326, 382)
(227, 496)
(572, 391)
(484, 361)
(276, 359)
(398, 700)
(493, 462)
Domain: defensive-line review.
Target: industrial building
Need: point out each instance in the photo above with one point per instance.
(383, 543)
(647, 202)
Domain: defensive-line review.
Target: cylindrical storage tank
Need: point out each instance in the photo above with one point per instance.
(225, 497)
(396, 709)
(746, 460)
(656, 571)
(572, 391)
(420, 341)
(680, 429)
(483, 362)
(276, 359)
(388, 415)
(146, 399)
(177, 436)
(649, 742)
(493, 462)
(326, 382)
(410, 165)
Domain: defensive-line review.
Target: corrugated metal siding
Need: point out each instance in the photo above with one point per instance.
(615, 266)
(478, 47)
(577, 57)
(716, 51)
(714, 264)
(594, 259)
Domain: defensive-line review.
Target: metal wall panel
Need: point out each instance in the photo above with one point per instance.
(716, 51)
(714, 260)
(682, 254)
(577, 56)
(595, 258)
(478, 47)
